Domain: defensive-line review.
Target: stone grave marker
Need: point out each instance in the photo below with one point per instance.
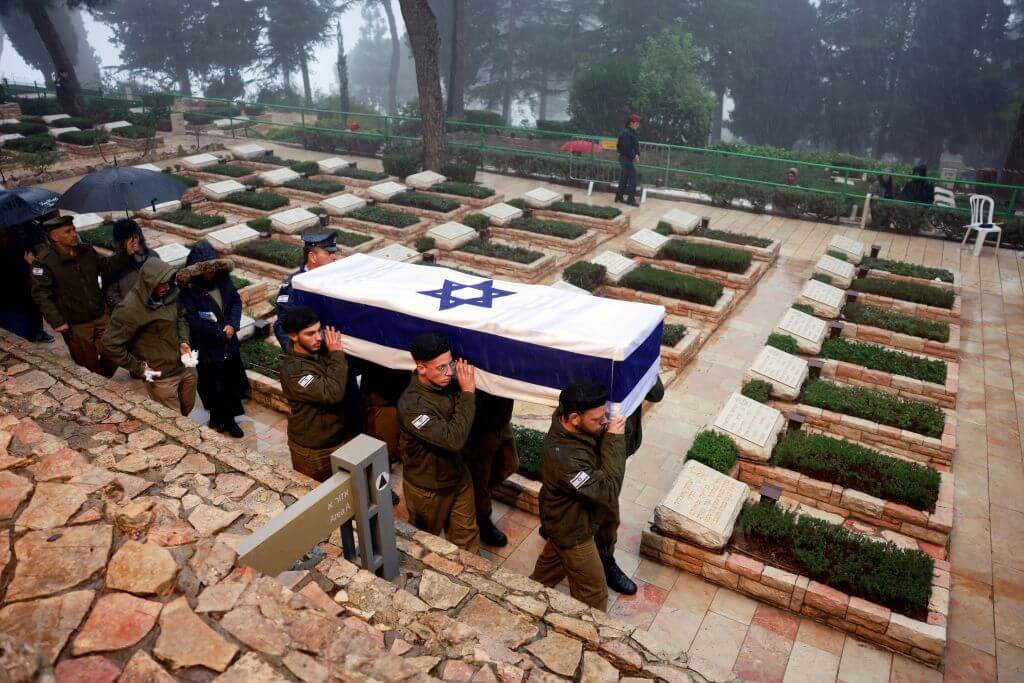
(341, 204)
(785, 372)
(645, 243)
(332, 164)
(397, 252)
(8, 122)
(825, 300)
(10, 136)
(279, 176)
(219, 190)
(114, 125)
(853, 249)
(50, 118)
(841, 272)
(808, 330)
(227, 239)
(197, 162)
(246, 327)
(249, 150)
(148, 167)
(754, 426)
(616, 265)
(567, 287)
(57, 132)
(293, 220)
(87, 221)
(450, 236)
(502, 213)
(702, 506)
(162, 207)
(424, 180)
(385, 191)
(681, 222)
(541, 197)
(173, 254)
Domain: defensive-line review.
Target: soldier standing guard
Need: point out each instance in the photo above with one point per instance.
(318, 249)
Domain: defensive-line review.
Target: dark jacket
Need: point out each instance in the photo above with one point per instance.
(315, 387)
(283, 300)
(117, 285)
(580, 481)
(142, 329)
(206, 320)
(628, 145)
(435, 426)
(66, 288)
(380, 386)
(634, 425)
(492, 412)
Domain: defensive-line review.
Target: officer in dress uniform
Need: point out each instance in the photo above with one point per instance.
(319, 249)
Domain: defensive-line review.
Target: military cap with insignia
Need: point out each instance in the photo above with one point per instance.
(320, 240)
(59, 222)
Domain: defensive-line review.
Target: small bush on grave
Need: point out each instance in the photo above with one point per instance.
(505, 252)
(733, 237)
(568, 231)
(672, 334)
(675, 285)
(230, 170)
(426, 202)
(906, 291)
(604, 212)
(463, 189)
(876, 406)
(783, 342)
(885, 319)
(585, 275)
(191, 219)
(529, 443)
(263, 201)
(321, 187)
(401, 165)
(272, 251)
(477, 221)
(261, 357)
(706, 256)
(715, 450)
(757, 389)
(423, 244)
(908, 269)
(383, 216)
(876, 357)
(83, 138)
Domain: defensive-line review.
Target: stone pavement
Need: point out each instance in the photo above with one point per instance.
(725, 631)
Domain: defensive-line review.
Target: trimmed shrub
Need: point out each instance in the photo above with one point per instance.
(240, 282)
(880, 572)
(260, 224)
(360, 174)
(318, 210)
(715, 450)
(261, 357)
(383, 216)
(519, 203)
(134, 132)
(733, 237)
(305, 167)
(187, 180)
(32, 144)
(477, 221)
(24, 128)
(863, 469)
(804, 308)
(886, 360)
(885, 319)
(426, 202)
(102, 236)
(876, 406)
(757, 389)
(506, 252)
(401, 165)
(423, 244)
(672, 334)
(605, 212)
(706, 256)
(568, 231)
(75, 122)
(263, 201)
(272, 251)
(783, 342)
(459, 171)
(83, 138)
(191, 219)
(585, 275)
(321, 187)
(463, 189)
(906, 291)
(676, 285)
(483, 116)
(529, 443)
(343, 237)
(230, 170)
(908, 269)
(836, 254)
(822, 277)
(275, 160)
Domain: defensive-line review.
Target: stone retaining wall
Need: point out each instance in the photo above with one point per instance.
(261, 268)
(568, 250)
(433, 216)
(472, 202)
(886, 275)
(685, 309)
(943, 395)
(767, 254)
(682, 353)
(741, 281)
(946, 315)
(615, 226)
(519, 492)
(266, 391)
(403, 235)
(947, 351)
(523, 272)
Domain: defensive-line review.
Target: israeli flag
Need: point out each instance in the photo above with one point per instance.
(526, 341)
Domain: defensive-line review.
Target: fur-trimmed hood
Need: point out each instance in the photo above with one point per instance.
(196, 270)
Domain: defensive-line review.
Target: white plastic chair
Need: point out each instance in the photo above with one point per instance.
(982, 209)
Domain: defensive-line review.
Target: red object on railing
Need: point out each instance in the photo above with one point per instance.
(581, 147)
(353, 126)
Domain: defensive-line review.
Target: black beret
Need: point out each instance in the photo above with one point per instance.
(298, 318)
(428, 346)
(580, 395)
(58, 222)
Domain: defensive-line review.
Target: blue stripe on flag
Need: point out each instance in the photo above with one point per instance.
(492, 353)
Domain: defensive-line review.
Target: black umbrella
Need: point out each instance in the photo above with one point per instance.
(22, 204)
(121, 188)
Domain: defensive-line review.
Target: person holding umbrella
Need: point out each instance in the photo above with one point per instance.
(65, 287)
(629, 155)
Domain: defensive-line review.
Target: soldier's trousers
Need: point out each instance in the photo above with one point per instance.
(450, 511)
(580, 565)
(83, 341)
(315, 463)
(382, 423)
(177, 392)
(492, 458)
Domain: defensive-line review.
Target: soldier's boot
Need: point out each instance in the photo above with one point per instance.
(490, 534)
(616, 578)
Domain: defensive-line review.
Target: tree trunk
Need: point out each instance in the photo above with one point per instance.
(542, 95)
(716, 121)
(457, 72)
(1015, 157)
(421, 26)
(506, 86)
(306, 87)
(68, 92)
(396, 55)
(342, 66)
(892, 83)
(286, 78)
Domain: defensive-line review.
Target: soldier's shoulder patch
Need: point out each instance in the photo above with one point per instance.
(305, 381)
(579, 479)
(282, 298)
(37, 271)
(420, 421)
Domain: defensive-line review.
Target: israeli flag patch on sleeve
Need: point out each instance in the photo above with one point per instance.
(579, 480)
(420, 421)
(282, 299)
(306, 380)
(38, 272)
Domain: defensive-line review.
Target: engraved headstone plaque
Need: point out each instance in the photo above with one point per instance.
(808, 331)
(853, 249)
(451, 235)
(841, 272)
(753, 426)
(541, 197)
(784, 371)
(681, 222)
(502, 213)
(385, 191)
(645, 243)
(702, 506)
(825, 300)
(616, 265)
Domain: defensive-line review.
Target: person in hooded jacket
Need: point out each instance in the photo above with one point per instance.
(213, 310)
(148, 335)
(117, 284)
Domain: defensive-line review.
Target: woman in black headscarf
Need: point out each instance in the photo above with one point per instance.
(117, 285)
(213, 310)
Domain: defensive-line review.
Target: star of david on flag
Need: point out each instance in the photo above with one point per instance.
(488, 293)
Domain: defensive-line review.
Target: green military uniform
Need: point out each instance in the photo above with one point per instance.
(66, 289)
(315, 388)
(435, 425)
(581, 477)
(492, 449)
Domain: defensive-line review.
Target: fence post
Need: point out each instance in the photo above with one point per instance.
(1013, 203)
(668, 163)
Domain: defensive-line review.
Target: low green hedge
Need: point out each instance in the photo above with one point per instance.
(134, 132)
(263, 201)
(605, 212)
(733, 237)
(876, 406)
(477, 221)
(261, 357)
(646, 278)
(567, 231)
(191, 219)
(505, 252)
(260, 224)
(783, 342)
(837, 254)
(360, 173)
(672, 334)
(230, 170)
(906, 291)
(102, 236)
(853, 466)
(305, 167)
(424, 243)
(706, 256)
(25, 129)
(82, 122)
(880, 572)
(822, 277)
(420, 200)
(342, 237)
(272, 251)
(187, 180)
(715, 450)
(804, 308)
(275, 160)
(757, 389)
(908, 269)
(383, 216)
(32, 144)
(463, 189)
(401, 165)
(459, 171)
(886, 360)
(83, 138)
(585, 275)
(519, 203)
(321, 187)
(885, 319)
(240, 282)
(529, 443)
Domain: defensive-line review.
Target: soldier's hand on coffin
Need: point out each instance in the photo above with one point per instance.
(466, 374)
(617, 424)
(332, 340)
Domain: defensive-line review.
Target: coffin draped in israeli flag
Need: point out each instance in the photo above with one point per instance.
(526, 341)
